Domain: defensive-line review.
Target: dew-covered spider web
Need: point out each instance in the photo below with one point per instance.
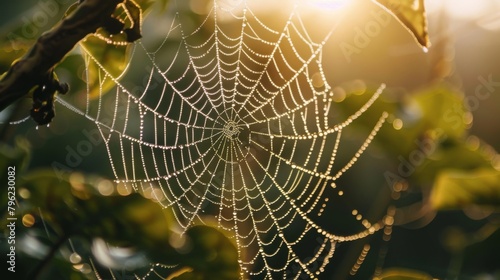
(231, 121)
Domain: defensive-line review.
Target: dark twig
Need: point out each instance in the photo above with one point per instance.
(38, 64)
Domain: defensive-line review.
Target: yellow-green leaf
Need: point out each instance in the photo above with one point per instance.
(107, 52)
(402, 274)
(213, 255)
(71, 207)
(105, 61)
(455, 189)
(443, 108)
(411, 14)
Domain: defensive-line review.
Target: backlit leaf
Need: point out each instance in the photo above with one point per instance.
(107, 52)
(74, 207)
(213, 255)
(123, 220)
(104, 61)
(455, 189)
(411, 14)
(443, 109)
(402, 274)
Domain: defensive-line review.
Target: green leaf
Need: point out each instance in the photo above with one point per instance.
(450, 153)
(11, 49)
(108, 52)
(436, 111)
(22, 24)
(442, 108)
(18, 156)
(147, 5)
(105, 61)
(402, 274)
(213, 255)
(134, 11)
(456, 189)
(71, 207)
(411, 14)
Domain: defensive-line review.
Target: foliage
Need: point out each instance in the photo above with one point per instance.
(455, 189)
(432, 146)
(433, 153)
(412, 15)
(402, 274)
(74, 209)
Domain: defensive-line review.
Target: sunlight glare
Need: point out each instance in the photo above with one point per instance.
(462, 9)
(329, 4)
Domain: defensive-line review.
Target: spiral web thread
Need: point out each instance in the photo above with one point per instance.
(243, 135)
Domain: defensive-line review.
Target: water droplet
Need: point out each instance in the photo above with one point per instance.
(75, 258)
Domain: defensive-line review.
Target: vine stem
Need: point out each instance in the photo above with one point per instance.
(51, 47)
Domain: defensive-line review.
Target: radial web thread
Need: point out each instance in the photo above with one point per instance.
(242, 135)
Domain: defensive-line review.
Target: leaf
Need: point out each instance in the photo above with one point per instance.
(213, 255)
(18, 156)
(411, 14)
(123, 220)
(437, 110)
(11, 49)
(455, 154)
(402, 274)
(108, 52)
(442, 107)
(128, 221)
(147, 5)
(104, 63)
(134, 31)
(455, 189)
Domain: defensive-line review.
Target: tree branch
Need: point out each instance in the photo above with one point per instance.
(38, 64)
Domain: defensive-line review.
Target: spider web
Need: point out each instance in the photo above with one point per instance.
(242, 134)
